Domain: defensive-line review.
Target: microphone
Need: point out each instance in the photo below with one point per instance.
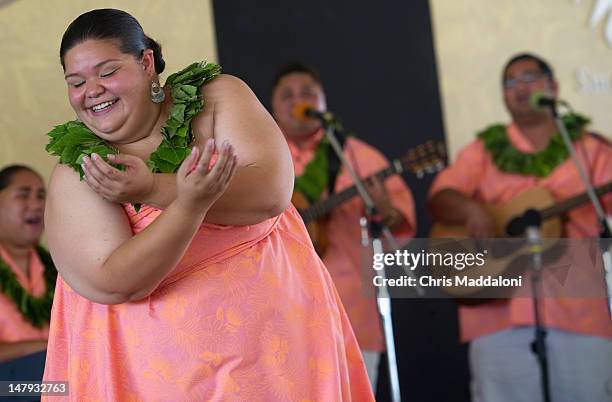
(518, 225)
(304, 111)
(540, 100)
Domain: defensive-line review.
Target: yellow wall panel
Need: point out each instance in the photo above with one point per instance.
(33, 92)
(474, 38)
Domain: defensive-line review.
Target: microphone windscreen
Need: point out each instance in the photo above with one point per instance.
(300, 111)
(539, 100)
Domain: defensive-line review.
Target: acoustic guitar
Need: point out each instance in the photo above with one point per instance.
(427, 158)
(500, 263)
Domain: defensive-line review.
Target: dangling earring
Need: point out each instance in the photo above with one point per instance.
(157, 93)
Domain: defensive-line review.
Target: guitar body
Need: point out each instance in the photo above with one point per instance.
(513, 257)
(424, 159)
(534, 198)
(317, 229)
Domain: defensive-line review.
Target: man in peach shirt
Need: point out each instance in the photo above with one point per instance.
(22, 199)
(579, 339)
(295, 85)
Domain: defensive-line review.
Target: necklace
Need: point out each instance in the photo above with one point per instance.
(72, 141)
(509, 159)
(312, 182)
(36, 310)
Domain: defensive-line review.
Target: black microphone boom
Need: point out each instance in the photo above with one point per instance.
(518, 225)
(540, 100)
(304, 111)
(325, 117)
(544, 101)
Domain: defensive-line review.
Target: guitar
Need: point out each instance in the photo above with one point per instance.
(427, 158)
(536, 198)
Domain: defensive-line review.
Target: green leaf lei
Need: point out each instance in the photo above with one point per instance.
(509, 159)
(314, 179)
(73, 140)
(36, 310)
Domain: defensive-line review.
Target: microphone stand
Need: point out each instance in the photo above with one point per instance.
(538, 346)
(376, 228)
(605, 221)
(529, 225)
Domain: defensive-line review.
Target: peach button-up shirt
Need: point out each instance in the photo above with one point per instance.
(344, 255)
(13, 326)
(475, 174)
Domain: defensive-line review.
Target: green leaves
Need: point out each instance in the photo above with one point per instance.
(167, 157)
(35, 310)
(73, 140)
(192, 74)
(511, 160)
(186, 103)
(314, 179)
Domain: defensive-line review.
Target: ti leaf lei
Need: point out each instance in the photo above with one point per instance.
(312, 182)
(36, 310)
(509, 159)
(73, 140)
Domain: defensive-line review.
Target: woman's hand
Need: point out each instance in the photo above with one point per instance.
(198, 187)
(134, 185)
(111, 264)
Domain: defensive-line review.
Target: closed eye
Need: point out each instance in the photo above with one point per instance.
(23, 195)
(109, 73)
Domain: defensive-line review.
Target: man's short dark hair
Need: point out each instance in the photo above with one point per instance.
(292, 68)
(543, 65)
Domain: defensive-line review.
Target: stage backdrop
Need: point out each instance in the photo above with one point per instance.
(33, 97)
(474, 39)
(377, 64)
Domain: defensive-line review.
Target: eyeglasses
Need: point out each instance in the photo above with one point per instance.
(524, 78)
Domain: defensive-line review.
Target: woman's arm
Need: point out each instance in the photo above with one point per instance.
(15, 350)
(92, 244)
(263, 182)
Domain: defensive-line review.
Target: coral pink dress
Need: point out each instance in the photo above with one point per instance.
(249, 314)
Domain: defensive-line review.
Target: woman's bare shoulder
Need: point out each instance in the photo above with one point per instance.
(225, 86)
(63, 178)
(68, 192)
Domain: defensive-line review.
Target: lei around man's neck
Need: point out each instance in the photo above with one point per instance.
(509, 159)
(314, 179)
(72, 141)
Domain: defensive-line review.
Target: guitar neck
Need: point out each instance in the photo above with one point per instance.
(322, 208)
(573, 202)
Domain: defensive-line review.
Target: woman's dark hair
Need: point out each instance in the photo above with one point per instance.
(7, 173)
(108, 23)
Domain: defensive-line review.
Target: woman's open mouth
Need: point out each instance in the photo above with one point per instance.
(34, 221)
(103, 107)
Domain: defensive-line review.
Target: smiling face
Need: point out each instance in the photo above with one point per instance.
(521, 79)
(292, 90)
(110, 90)
(22, 206)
